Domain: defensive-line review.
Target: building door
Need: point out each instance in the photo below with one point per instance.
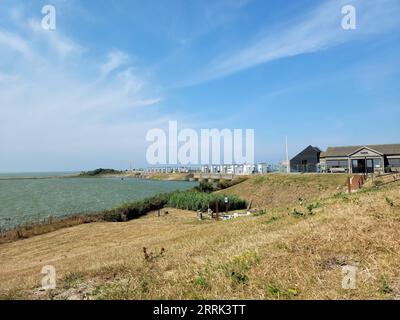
(358, 166)
(303, 165)
(362, 166)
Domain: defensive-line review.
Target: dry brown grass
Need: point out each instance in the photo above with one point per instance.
(273, 190)
(274, 255)
(53, 224)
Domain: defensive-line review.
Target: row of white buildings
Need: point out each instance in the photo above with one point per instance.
(235, 169)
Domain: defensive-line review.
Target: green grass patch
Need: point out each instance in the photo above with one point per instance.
(240, 265)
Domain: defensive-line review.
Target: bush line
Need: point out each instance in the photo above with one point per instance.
(186, 200)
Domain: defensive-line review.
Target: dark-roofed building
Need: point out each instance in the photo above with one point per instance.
(306, 161)
(362, 159)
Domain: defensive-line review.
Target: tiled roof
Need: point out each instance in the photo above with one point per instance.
(387, 149)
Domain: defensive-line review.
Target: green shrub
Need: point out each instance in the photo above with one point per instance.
(296, 213)
(136, 209)
(194, 201)
(186, 200)
(312, 206)
(205, 186)
(224, 184)
(112, 216)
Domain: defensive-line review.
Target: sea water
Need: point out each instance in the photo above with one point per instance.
(25, 199)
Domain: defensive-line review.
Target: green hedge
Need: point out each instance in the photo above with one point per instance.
(186, 200)
(136, 209)
(202, 201)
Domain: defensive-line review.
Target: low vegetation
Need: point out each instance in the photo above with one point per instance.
(99, 172)
(208, 187)
(202, 201)
(187, 200)
(50, 225)
(136, 209)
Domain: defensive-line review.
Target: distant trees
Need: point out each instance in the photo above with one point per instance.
(99, 171)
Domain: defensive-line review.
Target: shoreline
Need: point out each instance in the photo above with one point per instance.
(51, 224)
(61, 218)
(137, 175)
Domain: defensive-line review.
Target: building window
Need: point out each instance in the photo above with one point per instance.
(394, 162)
(337, 163)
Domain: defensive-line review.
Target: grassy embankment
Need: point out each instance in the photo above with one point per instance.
(294, 250)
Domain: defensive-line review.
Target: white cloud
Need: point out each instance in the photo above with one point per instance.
(14, 42)
(57, 42)
(116, 58)
(53, 116)
(318, 30)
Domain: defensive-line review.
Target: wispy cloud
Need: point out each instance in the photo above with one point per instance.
(115, 59)
(11, 41)
(318, 30)
(54, 98)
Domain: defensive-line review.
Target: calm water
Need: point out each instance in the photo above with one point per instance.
(32, 200)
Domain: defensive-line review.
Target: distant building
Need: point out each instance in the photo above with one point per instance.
(306, 161)
(350, 159)
(236, 169)
(362, 159)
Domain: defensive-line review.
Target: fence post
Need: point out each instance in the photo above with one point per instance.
(349, 184)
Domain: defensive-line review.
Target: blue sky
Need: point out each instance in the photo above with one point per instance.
(84, 95)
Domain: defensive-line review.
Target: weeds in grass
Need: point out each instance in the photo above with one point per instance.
(277, 293)
(272, 219)
(384, 286)
(239, 266)
(72, 279)
(119, 290)
(200, 281)
(13, 294)
(151, 256)
(389, 201)
(377, 183)
(339, 195)
(259, 180)
(260, 213)
(313, 206)
(296, 213)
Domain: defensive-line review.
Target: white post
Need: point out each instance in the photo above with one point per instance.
(287, 157)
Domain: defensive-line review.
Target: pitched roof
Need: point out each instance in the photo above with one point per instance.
(387, 149)
(316, 149)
